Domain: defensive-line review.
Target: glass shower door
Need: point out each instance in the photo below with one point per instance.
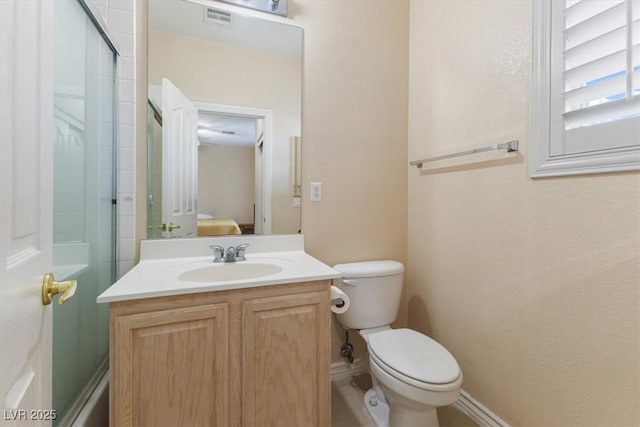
(84, 209)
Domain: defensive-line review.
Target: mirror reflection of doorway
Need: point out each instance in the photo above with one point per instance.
(234, 170)
(234, 128)
(230, 158)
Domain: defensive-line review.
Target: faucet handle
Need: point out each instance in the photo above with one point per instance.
(240, 251)
(218, 251)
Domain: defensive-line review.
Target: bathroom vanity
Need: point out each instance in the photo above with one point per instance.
(195, 343)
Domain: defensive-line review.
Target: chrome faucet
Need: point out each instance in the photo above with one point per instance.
(232, 254)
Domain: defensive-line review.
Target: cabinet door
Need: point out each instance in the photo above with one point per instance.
(171, 368)
(285, 361)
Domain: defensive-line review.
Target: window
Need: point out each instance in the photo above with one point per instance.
(585, 110)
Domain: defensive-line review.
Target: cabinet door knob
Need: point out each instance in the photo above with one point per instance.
(50, 288)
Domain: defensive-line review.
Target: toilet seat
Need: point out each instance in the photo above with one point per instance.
(415, 359)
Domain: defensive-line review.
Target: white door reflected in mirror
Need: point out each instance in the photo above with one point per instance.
(179, 163)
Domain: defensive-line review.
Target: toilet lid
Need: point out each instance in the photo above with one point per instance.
(414, 355)
(370, 268)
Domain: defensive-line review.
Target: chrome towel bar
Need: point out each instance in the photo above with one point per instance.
(509, 146)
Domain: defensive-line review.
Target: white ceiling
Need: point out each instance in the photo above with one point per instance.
(186, 18)
(219, 129)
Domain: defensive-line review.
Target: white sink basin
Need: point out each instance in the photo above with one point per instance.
(185, 266)
(230, 271)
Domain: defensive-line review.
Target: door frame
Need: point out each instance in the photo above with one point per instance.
(267, 171)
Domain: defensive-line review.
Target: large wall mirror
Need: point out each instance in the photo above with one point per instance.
(224, 122)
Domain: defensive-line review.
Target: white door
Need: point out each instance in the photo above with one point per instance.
(26, 184)
(179, 163)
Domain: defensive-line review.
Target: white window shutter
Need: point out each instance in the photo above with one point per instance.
(593, 52)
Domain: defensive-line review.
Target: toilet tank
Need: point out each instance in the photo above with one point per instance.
(374, 289)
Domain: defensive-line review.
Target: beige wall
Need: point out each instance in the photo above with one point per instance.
(222, 191)
(229, 74)
(354, 128)
(531, 284)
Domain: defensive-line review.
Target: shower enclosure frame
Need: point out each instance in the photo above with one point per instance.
(92, 393)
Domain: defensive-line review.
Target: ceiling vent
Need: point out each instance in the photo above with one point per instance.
(217, 17)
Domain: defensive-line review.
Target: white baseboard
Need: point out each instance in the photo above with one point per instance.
(341, 370)
(477, 411)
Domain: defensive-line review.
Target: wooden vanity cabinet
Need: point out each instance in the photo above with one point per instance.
(244, 357)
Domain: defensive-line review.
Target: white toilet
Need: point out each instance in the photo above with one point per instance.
(412, 374)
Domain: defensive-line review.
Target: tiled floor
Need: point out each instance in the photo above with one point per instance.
(451, 417)
(347, 409)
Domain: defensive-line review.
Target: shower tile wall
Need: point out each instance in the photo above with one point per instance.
(120, 18)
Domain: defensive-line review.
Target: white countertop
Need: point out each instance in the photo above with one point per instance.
(163, 261)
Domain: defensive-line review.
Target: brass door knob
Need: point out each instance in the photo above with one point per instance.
(50, 288)
(169, 227)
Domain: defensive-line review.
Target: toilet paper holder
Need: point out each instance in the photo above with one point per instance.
(338, 302)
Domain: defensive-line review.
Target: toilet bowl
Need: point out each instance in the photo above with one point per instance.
(412, 374)
(416, 375)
